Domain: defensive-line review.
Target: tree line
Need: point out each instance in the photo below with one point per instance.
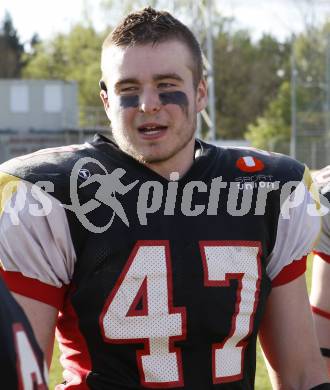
(252, 78)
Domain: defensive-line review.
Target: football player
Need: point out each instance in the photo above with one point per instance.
(168, 284)
(22, 365)
(320, 292)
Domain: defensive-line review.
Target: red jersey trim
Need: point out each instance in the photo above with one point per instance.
(290, 272)
(32, 288)
(320, 312)
(323, 256)
(75, 357)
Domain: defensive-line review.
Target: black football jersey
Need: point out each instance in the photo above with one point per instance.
(167, 280)
(21, 361)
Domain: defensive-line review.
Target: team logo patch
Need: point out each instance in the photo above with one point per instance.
(250, 164)
(84, 174)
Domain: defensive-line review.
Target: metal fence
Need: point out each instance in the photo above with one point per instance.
(312, 150)
(13, 144)
(310, 98)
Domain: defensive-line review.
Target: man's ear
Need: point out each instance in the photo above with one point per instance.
(201, 96)
(105, 100)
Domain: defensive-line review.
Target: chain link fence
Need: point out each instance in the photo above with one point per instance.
(13, 144)
(314, 151)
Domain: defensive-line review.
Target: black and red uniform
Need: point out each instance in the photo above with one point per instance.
(160, 284)
(22, 365)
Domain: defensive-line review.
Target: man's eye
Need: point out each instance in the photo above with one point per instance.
(128, 89)
(166, 85)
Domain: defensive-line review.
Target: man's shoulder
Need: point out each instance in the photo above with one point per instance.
(46, 164)
(322, 181)
(247, 161)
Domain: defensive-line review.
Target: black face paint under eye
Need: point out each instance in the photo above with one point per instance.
(175, 97)
(129, 101)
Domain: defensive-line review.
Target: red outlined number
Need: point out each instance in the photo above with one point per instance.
(140, 309)
(223, 261)
(29, 373)
(147, 278)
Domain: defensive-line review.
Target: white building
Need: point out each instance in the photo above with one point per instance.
(40, 105)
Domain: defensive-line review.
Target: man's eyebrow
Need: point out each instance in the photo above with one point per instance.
(163, 76)
(126, 81)
(156, 77)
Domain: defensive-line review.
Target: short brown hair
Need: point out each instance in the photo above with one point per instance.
(151, 26)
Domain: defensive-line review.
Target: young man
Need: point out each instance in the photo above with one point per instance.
(320, 293)
(22, 365)
(165, 275)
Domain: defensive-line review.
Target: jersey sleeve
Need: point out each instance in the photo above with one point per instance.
(36, 251)
(298, 228)
(322, 247)
(322, 180)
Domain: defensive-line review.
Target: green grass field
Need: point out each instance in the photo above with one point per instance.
(262, 381)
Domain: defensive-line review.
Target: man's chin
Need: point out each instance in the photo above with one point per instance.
(151, 159)
(155, 154)
(154, 157)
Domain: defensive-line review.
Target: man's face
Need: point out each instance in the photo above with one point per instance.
(151, 100)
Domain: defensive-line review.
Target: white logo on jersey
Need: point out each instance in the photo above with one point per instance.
(110, 184)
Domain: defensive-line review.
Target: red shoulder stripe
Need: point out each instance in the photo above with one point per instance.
(320, 312)
(290, 272)
(33, 288)
(323, 256)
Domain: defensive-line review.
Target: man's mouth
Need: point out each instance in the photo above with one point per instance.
(151, 130)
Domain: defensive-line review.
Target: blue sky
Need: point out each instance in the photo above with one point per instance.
(279, 17)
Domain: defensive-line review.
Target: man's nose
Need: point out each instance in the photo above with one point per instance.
(149, 102)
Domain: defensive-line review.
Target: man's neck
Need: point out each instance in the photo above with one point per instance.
(180, 163)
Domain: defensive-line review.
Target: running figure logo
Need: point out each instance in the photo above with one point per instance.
(110, 184)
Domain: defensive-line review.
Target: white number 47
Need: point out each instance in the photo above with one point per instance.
(140, 309)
